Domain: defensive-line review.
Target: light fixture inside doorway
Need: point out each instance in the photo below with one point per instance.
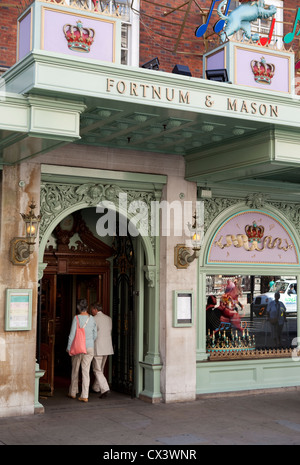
(182, 254)
(22, 247)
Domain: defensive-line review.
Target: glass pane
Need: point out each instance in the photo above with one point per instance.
(124, 57)
(124, 36)
(245, 319)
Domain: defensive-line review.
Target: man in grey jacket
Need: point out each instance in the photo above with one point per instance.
(103, 348)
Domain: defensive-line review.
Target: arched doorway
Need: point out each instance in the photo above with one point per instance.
(58, 201)
(73, 272)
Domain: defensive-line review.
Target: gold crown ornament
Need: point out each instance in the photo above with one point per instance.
(79, 38)
(263, 71)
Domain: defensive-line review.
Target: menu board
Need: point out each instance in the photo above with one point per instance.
(183, 308)
(18, 309)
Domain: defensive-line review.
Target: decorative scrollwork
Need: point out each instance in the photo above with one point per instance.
(213, 207)
(256, 200)
(57, 198)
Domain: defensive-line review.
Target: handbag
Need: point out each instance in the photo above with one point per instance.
(78, 345)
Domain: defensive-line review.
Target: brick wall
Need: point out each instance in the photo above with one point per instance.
(9, 13)
(161, 35)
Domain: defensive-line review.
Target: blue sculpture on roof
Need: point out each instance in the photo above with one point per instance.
(242, 16)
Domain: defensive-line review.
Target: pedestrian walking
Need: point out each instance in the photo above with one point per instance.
(103, 348)
(84, 359)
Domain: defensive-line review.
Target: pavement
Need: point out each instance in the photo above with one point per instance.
(262, 418)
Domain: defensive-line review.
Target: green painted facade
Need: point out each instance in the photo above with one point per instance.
(79, 110)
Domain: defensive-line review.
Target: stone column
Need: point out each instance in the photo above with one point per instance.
(17, 348)
(177, 344)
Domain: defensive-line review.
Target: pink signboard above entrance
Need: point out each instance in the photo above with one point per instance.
(266, 71)
(65, 30)
(96, 36)
(253, 237)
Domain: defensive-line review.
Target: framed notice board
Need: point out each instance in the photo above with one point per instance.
(183, 304)
(18, 313)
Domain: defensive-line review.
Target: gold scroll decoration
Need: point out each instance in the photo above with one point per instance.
(241, 240)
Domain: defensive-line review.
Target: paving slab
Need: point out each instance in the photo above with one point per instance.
(271, 418)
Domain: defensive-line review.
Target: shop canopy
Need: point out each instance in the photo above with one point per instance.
(227, 133)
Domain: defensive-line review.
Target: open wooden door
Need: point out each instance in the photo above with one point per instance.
(72, 273)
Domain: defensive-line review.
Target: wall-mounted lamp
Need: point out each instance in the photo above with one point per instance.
(22, 247)
(182, 254)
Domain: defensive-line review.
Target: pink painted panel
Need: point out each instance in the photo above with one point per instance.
(253, 237)
(55, 41)
(24, 36)
(244, 75)
(216, 60)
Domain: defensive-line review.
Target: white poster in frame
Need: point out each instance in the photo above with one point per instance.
(183, 308)
(18, 313)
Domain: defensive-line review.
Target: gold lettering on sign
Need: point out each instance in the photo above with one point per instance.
(110, 83)
(133, 90)
(244, 107)
(208, 101)
(231, 105)
(262, 110)
(144, 87)
(184, 98)
(274, 110)
(156, 92)
(171, 94)
(167, 94)
(146, 91)
(121, 87)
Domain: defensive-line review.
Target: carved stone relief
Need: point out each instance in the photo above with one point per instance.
(57, 198)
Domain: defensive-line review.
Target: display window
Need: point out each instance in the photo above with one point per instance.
(250, 316)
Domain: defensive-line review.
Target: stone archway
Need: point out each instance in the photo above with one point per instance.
(60, 200)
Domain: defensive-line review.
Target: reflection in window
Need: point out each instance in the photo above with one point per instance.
(244, 319)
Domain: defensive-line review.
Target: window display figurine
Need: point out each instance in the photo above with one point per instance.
(228, 314)
(234, 291)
